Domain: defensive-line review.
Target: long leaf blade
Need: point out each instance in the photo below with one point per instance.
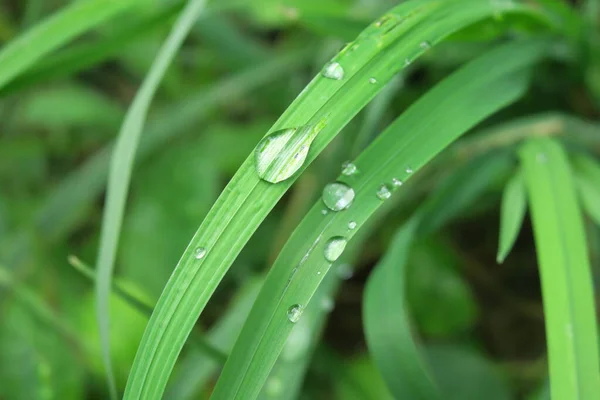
(565, 271)
(512, 213)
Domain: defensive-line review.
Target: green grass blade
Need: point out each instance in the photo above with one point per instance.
(54, 32)
(570, 316)
(440, 117)
(587, 171)
(382, 49)
(120, 173)
(512, 213)
(81, 56)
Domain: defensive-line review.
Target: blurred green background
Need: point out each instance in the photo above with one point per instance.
(236, 73)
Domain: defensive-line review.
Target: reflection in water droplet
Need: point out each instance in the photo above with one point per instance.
(199, 253)
(384, 193)
(334, 248)
(372, 81)
(338, 196)
(327, 304)
(409, 170)
(294, 313)
(345, 271)
(349, 168)
(279, 155)
(333, 70)
(352, 225)
(396, 182)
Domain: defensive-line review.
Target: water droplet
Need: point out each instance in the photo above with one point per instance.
(396, 182)
(349, 169)
(409, 170)
(384, 193)
(280, 154)
(372, 81)
(352, 225)
(334, 248)
(294, 313)
(407, 62)
(338, 196)
(327, 304)
(324, 211)
(425, 45)
(333, 70)
(199, 253)
(345, 271)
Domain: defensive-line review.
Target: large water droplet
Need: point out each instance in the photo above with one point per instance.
(338, 196)
(383, 193)
(334, 248)
(294, 313)
(199, 253)
(333, 70)
(282, 153)
(352, 225)
(396, 182)
(349, 168)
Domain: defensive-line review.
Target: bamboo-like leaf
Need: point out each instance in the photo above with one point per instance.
(300, 267)
(567, 291)
(512, 213)
(57, 30)
(379, 52)
(120, 174)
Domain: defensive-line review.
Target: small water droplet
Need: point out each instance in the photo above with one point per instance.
(425, 45)
(327, 304)
(318, 272)
(352, 225)
(345, 271)
(407, 62)
(338, 196)
(372, 81)
(199, 253)
(409, 170)
(279, 155)
(349, 168)
(334, 248)
(383, 193)
(396, 182)
(324, 212)
(333, 70)
(294, 313)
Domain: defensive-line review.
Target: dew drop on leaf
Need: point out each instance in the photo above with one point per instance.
(383, 193)
(333, 70)
(372, 81)
(279, 155)
(352, 225)
(396, 182)
(338, 196)
(349, 168)
(425, 45)
(334, 248)
(199, 253)
(409, 170)
(294, 313)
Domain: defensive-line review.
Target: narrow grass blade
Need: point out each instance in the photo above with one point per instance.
(404, 147)
(120, 173)
(512, 213)
(54, 32)
(81, 56)
(565, 271)
(382, 49)
(587, 171)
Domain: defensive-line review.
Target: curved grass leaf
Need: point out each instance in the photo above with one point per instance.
(57, 30)
(120, 174)
(379, 52)
(587, 172)
(512, 213)
(567, 291)
(412, 140)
